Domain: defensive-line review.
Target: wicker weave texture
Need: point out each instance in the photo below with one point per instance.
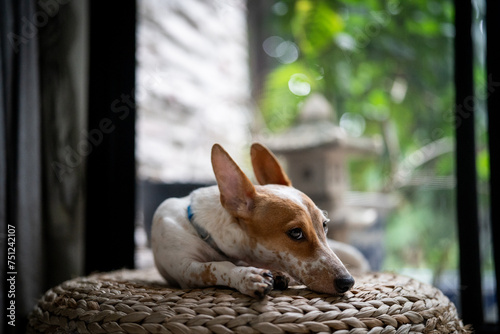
(139, 302)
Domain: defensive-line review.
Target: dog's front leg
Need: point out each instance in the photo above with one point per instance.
(251, 281)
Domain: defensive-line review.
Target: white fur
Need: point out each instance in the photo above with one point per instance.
(288, 193)
(179, 252)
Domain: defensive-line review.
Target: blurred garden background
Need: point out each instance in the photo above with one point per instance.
(386, 68)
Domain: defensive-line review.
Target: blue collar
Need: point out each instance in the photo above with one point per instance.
(204, 235)
(190, 213)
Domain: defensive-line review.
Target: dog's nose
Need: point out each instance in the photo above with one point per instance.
(344, 283)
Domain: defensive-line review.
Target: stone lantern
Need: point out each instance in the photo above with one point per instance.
(315, 153)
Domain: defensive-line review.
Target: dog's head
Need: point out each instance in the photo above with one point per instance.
(286, 230)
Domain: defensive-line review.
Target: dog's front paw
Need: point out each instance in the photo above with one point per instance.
(281, 281)
(256, 282)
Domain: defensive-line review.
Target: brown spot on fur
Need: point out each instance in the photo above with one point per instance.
(207, 275)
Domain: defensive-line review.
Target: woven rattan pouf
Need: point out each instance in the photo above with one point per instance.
(138, 301)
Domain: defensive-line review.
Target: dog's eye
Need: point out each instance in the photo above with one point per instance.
(325, 226)
(296, 234)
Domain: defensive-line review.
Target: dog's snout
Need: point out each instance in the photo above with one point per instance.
(343, 284)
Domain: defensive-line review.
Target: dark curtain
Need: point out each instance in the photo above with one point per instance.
(67, 168)
(63, 79)
(20, 156)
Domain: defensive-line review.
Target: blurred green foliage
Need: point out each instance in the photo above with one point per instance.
(389, 62)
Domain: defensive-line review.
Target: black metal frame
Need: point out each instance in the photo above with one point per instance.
(110, 211)
(467, 206)
(493, 105)
(467, 215)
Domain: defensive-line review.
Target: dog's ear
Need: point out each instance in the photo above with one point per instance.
(237, 193)
(266, 167)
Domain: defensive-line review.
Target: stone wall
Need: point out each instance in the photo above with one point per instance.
(193, 86)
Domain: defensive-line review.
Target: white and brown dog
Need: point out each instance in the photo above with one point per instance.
(243, 236)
